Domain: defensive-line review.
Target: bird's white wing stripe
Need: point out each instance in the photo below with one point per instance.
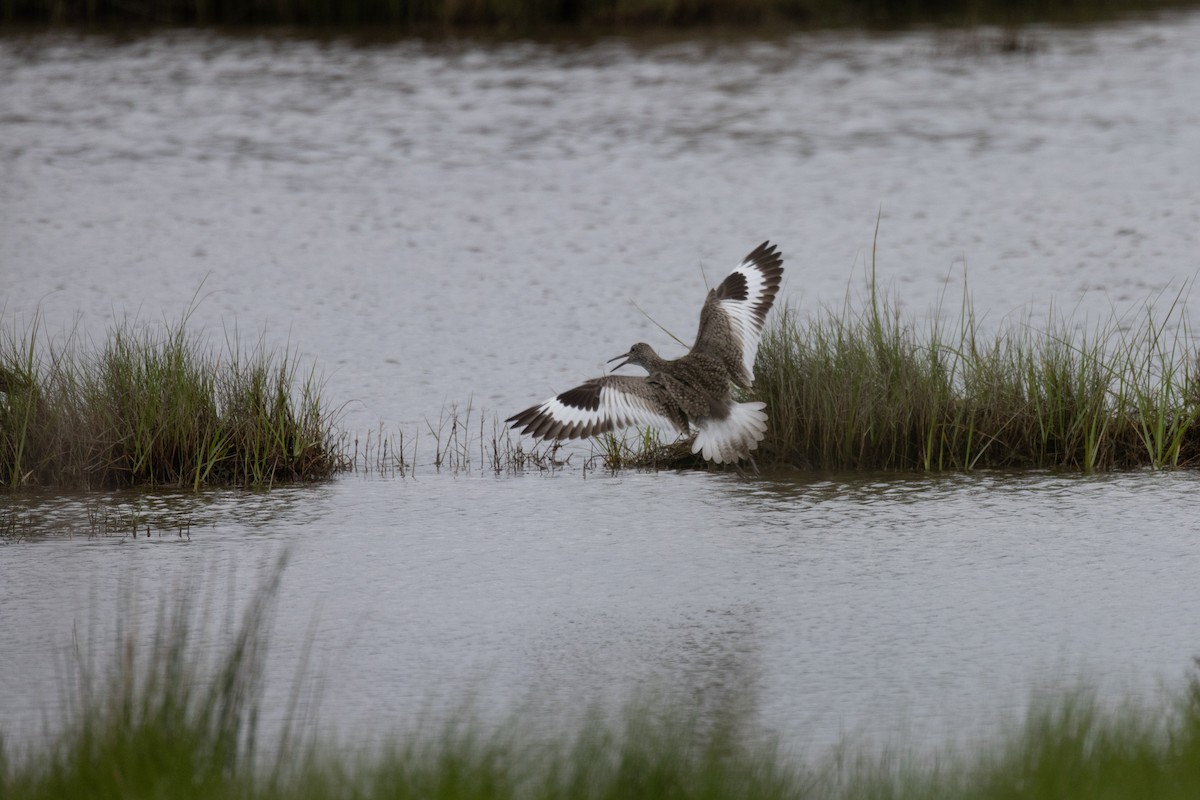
(742, 322)
(569, 415)
(617, 408)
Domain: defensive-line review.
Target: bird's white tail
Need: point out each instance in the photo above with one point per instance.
(732, 438)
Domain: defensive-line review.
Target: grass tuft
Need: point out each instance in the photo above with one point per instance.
(156, 407)
(865, 388)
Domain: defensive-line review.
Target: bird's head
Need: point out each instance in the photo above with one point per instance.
(640, 355)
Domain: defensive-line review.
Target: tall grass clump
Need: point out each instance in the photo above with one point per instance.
(157, 407)
(865, 388)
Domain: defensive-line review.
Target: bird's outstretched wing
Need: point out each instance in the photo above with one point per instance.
(592, 408)
(731, 322)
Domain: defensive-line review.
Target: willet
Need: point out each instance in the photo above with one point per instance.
(688, 393)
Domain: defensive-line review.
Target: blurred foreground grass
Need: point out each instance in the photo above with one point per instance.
(161, 724)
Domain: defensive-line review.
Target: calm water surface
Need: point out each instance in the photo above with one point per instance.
(438, 223)
(469, 223)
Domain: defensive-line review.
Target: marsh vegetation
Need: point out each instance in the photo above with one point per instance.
(860, 386)
(526, 15)
(868, 387)
(168, 719)
(157, 406)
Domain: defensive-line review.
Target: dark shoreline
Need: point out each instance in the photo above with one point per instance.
(436, 18)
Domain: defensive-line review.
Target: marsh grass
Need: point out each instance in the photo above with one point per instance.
(863, 387)
(459, 441)
(155, 406)
(164, 718)
(171, 717)
(525, 15)
(860, 386)
(643, 448)
(464, 440)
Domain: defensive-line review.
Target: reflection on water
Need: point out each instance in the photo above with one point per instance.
(129, 514)
(453, 223)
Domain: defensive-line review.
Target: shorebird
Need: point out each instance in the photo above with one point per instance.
(689, 393)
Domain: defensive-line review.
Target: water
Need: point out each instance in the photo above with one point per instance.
(890, 609)
(438, 223)
(452, 223)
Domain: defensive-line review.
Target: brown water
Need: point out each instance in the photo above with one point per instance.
(438, 224)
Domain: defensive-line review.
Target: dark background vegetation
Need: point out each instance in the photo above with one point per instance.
(528, 15)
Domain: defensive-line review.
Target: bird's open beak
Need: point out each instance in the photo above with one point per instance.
(623, 363)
